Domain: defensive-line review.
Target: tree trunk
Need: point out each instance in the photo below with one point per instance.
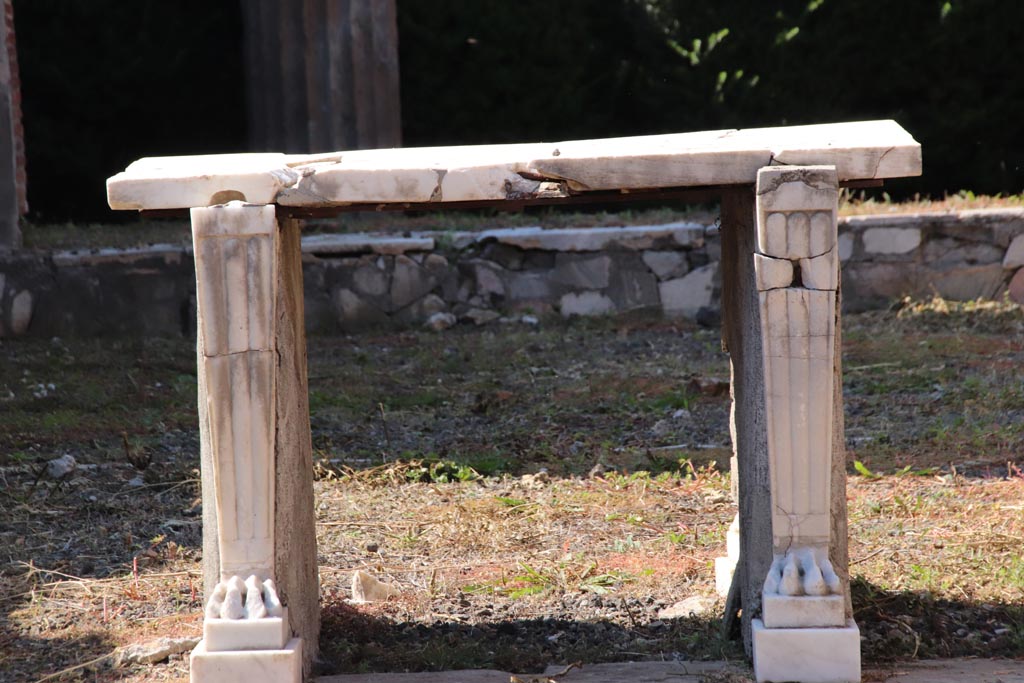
(322, 75)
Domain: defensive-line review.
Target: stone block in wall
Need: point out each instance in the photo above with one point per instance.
(488, 279)
(530, 288)
(354, 312)
(585, 304)
(409, 282)
(1014, 256)
(687, 295)
(889, 241)
(1016, 287)
(868, 285)
(506, 256)
(631, 285)
(966, 283)
(582, 271)
(666, 265)
(419, 311)
(846, 245)
(943, 252)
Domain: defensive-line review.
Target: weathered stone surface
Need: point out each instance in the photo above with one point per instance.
(585, 303)
(865, 149)
(1016, 288)
(21, 312)
(1014, 257)
(891, 240)
(582, 271)
(686, 295)
(666, 265)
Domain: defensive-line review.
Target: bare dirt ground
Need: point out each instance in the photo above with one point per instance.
(461, 467)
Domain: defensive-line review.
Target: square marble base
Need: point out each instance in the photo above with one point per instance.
(808, 655)
(247, 666)
(803, 611)
(269, 633)
(725, 567)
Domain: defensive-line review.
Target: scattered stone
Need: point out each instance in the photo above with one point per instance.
(535, 481)
(58, 468)
(585, 303)
(372, 547)
(367, 588)
(693, 606)
(21, 312)
(136, 482)
(155, 651)
(440, 321)
(891, 240)
(480, 316)
(530, 320)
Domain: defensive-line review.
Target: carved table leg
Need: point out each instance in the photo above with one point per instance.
(238, 254)
(805, 633)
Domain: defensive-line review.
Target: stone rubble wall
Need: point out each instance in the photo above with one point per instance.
(362, 281)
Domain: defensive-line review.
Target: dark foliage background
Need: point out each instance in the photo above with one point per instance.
(108, 81)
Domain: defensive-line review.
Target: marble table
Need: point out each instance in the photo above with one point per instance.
(779, 191)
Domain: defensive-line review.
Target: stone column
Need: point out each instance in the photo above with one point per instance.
(259, 541)
(805, 633)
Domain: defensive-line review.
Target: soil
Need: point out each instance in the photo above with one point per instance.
(538, 493)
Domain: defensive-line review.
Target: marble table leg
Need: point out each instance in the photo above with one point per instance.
(805, 632)
(259, 542)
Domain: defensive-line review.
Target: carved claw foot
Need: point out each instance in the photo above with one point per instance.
(802, 571)
(251, 599)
